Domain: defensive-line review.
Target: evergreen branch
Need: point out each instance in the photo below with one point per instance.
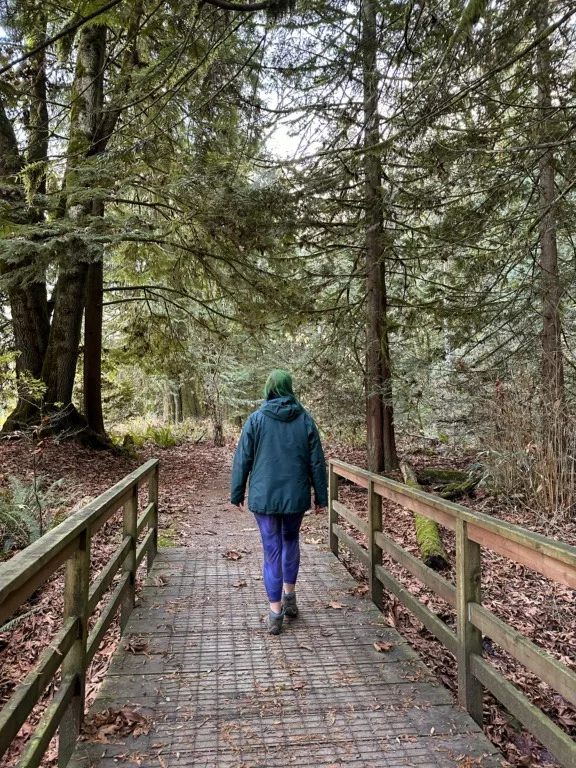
(453, 100)
(265, 5)
(63, 33)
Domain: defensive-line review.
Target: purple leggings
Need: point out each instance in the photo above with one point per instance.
(280, 538)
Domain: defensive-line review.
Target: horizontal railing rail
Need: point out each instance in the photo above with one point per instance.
(474, 531)
(74, 647)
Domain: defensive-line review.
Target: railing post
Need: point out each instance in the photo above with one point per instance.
(153, 499)
(468, 590)
(76, 588)
(332, 514)
(374, 524)
(130, 527)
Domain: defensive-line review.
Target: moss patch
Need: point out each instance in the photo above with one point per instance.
(428, 537)
(166, 538)
(437, 476)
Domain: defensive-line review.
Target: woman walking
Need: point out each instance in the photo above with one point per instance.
(280, 450)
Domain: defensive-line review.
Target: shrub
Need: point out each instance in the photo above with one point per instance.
(530, 454)
(27, 511)
(162, 437)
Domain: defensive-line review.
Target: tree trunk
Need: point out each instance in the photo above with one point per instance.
(218, 434)
(427, 533)
(379, 407)
(59, 369)
(39, 126)
(166, 404)
(552, 357)
(26, 290)
(178, 404)
(185, 396)
(93, 349)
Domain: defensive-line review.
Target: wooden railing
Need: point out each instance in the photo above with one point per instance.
(474, 530)
(74, 646)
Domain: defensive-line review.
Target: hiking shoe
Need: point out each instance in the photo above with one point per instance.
(289, 605)
(274, 622)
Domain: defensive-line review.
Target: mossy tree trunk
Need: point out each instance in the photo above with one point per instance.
(24, 280)
(427, 533)
(378, 378)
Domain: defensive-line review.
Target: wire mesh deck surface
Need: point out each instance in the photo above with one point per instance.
(221, 693)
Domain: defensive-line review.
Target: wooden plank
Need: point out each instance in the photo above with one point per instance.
(332, 514)
(351, 517)
(536, 659)
(27, 570)
(106, 577)
(468, 590)
(399, 496)
(49, 723)
(153, 499)
(374, 551)
(129, 564)
(145, 518)
(106, 617)
(76, 586)
(422, 613)
(553, 738)
(24, 698)
(349, 472)
(441, 586)
(525, 554)
(554, 559)
(352, 545)
(143, 547)
(13, 600)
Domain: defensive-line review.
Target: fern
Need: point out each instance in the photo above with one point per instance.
(10, 625)
(162, 437)
(19, 524)
(26, 511)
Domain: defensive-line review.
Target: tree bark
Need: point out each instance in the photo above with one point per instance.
(178, 414)
(59, 369)
(93, 317)
(379, 407)
(61, 359)
(26, 290)
(552, 357)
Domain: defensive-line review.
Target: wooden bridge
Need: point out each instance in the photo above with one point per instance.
(196, 681)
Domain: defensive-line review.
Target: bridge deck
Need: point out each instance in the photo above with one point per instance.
(198, 672)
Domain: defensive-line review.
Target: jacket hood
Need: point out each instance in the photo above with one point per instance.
(282, 409)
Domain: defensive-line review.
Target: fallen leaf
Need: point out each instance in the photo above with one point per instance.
(116, 723)
(232, 555)
(136, 646)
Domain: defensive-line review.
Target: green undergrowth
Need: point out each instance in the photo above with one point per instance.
(133, 435)
(28, 509)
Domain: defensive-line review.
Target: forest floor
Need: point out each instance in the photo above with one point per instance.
(195, 508)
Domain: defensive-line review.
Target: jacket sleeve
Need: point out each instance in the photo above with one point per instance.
(317, 466)
(242, 465)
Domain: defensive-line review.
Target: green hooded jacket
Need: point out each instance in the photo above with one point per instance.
(280, 450)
